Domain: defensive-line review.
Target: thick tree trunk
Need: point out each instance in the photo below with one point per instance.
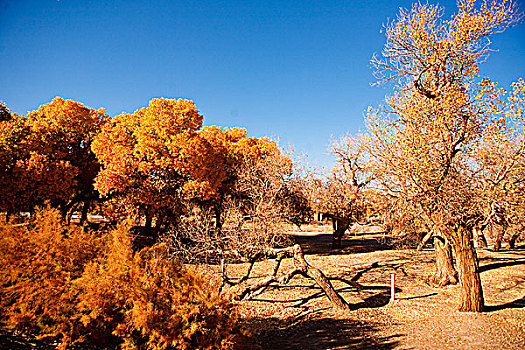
(445, 272)
(301, 267)
(514, 237)
(499, 238)
(468, 270)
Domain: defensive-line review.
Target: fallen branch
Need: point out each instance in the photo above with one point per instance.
(301, 267)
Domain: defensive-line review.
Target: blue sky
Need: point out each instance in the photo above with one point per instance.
(294, 70)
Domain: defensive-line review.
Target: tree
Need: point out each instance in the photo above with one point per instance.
(154, 159)
(252, 210)
(342, 196)
(425, 143)
(5, 113)
(235, 152)
(47, 156)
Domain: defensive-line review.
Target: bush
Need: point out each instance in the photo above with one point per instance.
(38, 264)
(63, 283)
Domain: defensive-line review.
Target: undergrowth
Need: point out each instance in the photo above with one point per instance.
(77, 288)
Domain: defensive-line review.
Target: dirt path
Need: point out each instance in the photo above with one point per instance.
(298, 316)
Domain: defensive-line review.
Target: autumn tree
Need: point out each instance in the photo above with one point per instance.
(342, 195)
(235, 152)
(502, 159)
(47, 156)
(13, 132)
(5, 113)
(258, 199)
(154, 159)
(425, 142)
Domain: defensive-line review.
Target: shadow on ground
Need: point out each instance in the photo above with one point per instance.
(497, 265)
(326, 333)
(515, 304)
(322, 244)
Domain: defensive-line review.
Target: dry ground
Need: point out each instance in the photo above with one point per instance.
(299, 316)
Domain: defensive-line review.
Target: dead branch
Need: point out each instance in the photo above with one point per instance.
(301, 267)
(424, 241)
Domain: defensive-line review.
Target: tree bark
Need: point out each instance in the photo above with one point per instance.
(85, 209)
(218, 217)
(479, 237)
(340, 227)
(468, 270)
(514, 237)
(499, 238)
(445, 272)
(302, 267)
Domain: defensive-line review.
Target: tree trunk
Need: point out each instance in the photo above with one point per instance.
(479, 237)
(218, 217)
(499, 238)
(514, 237)
(340, 227)
(301, 267)
(468, 270)
(445, 272)
(85, 209)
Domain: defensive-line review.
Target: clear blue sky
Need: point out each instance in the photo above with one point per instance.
(294, 70)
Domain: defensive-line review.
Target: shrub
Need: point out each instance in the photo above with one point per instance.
(149, 299)
(63, 283)
(38, 264)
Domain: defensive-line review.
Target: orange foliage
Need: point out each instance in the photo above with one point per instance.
(61, 282)
(38, 265)
(428, 147)
(159, 157)
(46, 156)
(153, 158)
(147, 292)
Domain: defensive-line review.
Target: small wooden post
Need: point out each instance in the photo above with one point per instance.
(392, 287)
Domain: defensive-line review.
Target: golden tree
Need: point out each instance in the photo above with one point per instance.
(425, 143)
(47, 156)
(154, 159)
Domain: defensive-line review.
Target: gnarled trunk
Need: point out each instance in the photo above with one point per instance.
(445, 272)
(514, 237)
(424, 241)
(468, 270)
(499, 238)
(301, 267)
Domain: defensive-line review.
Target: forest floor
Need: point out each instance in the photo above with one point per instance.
(299, 315)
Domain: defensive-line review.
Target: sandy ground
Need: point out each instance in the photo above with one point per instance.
(299, 316)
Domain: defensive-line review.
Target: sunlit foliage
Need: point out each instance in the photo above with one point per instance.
(425, 144)
(65, 284)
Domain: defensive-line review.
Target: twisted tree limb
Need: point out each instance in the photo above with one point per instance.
(301, 267)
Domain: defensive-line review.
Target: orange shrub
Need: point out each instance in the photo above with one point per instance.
(38, 264)
(73, 286)
(147, 293)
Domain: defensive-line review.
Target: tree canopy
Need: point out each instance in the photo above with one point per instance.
(428, 143)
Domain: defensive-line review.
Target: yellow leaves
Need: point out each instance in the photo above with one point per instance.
(160, 156)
